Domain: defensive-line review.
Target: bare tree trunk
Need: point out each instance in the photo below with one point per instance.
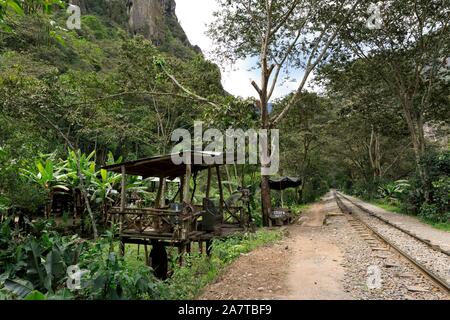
(415, 125)
(266, 71)
(265, 200)
(86, 198)
(375, 154)
(230, 189)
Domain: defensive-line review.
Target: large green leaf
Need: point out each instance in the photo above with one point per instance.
(104, 174)
(34, 264)
(90, 156)
(40, 168)
(14, 5)
(54, 267)
(35, 295)
(19, 287)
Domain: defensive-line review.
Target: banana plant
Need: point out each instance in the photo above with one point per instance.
(393, 192)
(7, 7)
(50, 175)
(87, 168)
(104, 186)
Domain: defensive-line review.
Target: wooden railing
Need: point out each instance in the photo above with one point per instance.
(166, 222)
(154, 221)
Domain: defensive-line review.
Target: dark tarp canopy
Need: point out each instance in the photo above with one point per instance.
(284, 183)
(163, 166)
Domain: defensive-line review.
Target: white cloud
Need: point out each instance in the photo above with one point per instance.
(194, 15)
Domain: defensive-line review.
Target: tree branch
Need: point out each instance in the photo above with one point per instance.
(187, 91)
(311, 65)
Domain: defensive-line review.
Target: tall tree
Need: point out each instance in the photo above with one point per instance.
(410, 53)
(285, 37)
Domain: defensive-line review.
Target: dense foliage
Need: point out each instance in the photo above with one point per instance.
(72, 101)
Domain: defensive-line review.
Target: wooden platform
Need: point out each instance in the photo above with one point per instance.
(146, 237)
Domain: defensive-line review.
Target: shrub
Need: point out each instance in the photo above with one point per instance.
(395, 192)
(36, 266)
(430, 212)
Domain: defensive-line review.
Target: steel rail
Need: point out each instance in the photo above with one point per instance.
(429, 274)
(372, 214)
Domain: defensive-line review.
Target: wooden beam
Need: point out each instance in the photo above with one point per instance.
(219, 181)
(200, 246)
(186, 186)
(208, 183)
(182, 178)
(195, 188)
(123, 195)
(123, 199)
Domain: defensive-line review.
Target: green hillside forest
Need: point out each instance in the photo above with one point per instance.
(371, 120)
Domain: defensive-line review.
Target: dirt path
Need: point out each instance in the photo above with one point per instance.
(305, 265)
(315, 269)
(323, 257)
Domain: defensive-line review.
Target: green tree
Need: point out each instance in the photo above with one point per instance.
(409, 53)
(284, 36)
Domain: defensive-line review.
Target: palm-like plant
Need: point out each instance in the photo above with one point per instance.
(50, 175)
(7, 6)
(104, 186)
(393, 192)
(86, 166)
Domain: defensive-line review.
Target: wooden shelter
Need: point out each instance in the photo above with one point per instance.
(179, 223)
(281, 216)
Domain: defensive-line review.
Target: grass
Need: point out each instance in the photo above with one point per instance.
(387, 206)
(188, 281)
(299, 209)
(445, 226)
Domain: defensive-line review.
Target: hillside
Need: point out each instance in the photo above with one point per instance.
(155, 20)
(100, 86)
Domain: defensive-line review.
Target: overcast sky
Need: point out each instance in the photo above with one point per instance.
(193, 16)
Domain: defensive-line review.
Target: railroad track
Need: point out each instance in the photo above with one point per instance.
(369, 232)
(372, 214)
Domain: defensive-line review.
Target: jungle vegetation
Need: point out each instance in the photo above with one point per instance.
(73, 101)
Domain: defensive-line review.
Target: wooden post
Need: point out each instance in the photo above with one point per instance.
(200, 246)
(181, 188)
(208, 183)
(160, 197)
(219, 181)
(123, 199)
(186, 184)
(122, 247)
(123, 195)
(195, 188)
(208, 247)
(181, 250)
(188, 247)
(147, 257)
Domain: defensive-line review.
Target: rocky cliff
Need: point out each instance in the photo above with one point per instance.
(154, 19)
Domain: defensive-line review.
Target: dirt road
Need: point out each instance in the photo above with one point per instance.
(323, 257)
(302, 266)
